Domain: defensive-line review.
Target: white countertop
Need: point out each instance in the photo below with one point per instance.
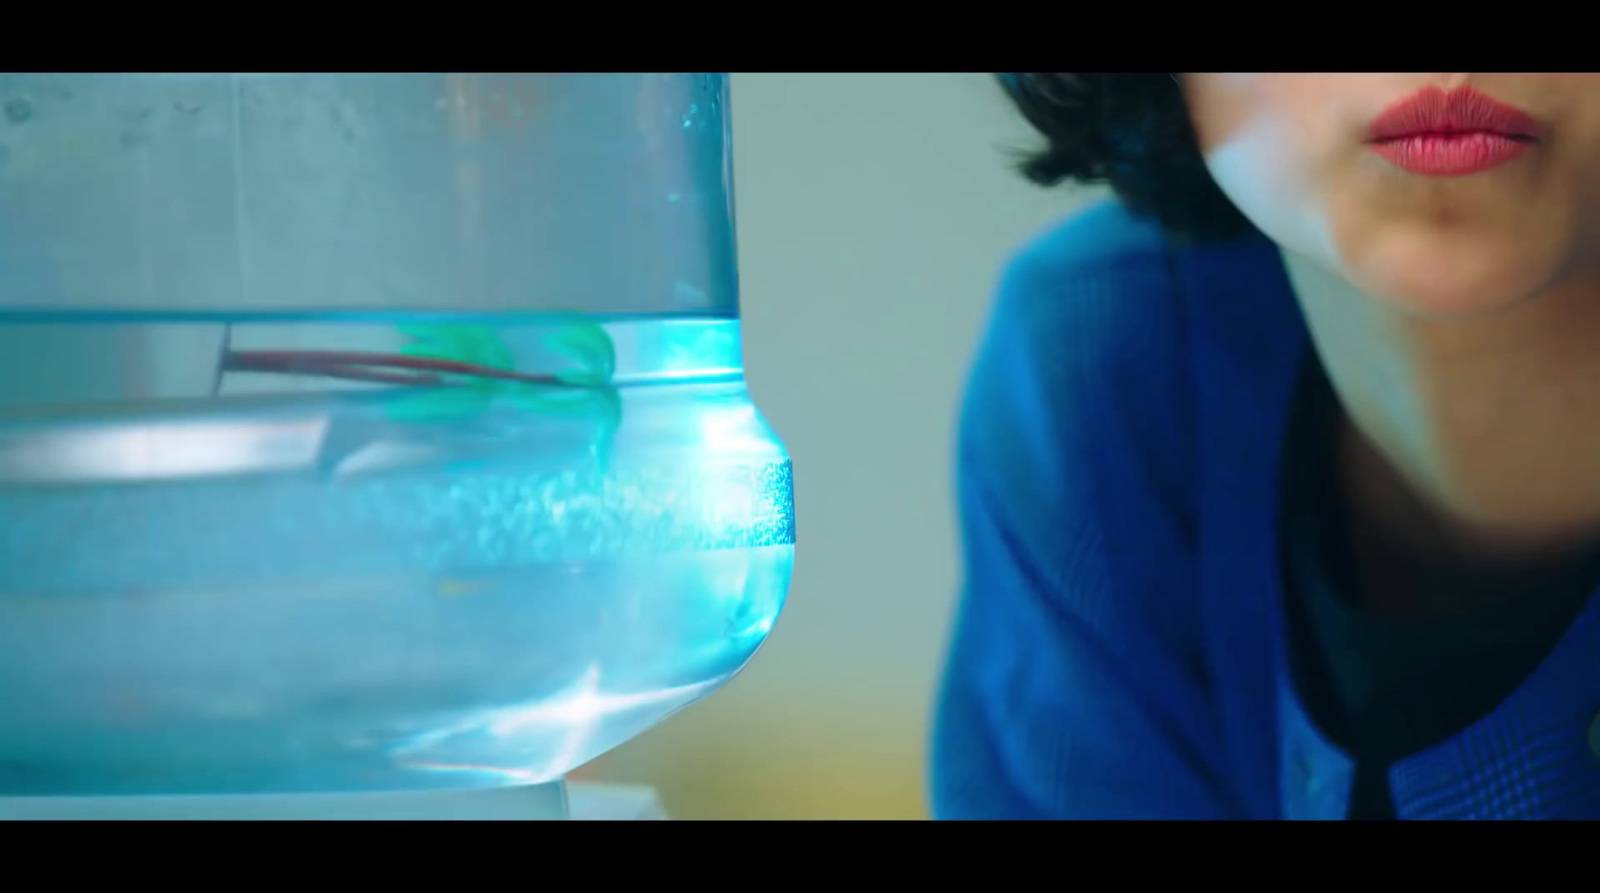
(613, 802)
(585, 802)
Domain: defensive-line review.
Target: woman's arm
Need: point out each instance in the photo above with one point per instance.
(1074, 686)
(1043, 716)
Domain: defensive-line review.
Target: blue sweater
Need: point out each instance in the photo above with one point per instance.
(1119, 651)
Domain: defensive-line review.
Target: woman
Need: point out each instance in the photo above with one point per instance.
(1280, 474)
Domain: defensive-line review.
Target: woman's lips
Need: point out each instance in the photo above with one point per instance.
(1439, 134)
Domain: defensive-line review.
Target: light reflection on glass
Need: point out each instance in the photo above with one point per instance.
(581, 711)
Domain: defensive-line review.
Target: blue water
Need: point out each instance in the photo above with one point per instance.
(222, 582)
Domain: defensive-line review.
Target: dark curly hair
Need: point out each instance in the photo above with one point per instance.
(1131, 131)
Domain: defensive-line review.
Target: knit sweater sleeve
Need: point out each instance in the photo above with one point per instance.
(1074, 684)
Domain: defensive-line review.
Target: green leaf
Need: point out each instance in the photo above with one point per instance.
(587, 394)
(462, 344)
(591, 346)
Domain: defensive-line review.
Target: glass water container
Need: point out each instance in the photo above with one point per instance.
(369, 433)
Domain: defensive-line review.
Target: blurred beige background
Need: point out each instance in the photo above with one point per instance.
(874, 213)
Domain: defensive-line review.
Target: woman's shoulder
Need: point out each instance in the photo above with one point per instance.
(1101, 236)
(1065, 274)
(1088, 319)
(1086, 380)
(1095, 290)
(1103, 301)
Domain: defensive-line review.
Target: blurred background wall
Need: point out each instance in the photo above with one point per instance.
(875, 211)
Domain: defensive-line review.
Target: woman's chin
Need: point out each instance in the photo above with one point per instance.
(1434, 299)
(1452, 278)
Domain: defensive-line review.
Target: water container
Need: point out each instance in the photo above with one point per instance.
(366, 433)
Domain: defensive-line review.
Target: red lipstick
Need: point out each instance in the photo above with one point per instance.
(1439, 134)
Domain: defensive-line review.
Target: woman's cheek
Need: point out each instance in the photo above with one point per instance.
(1258, 169)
